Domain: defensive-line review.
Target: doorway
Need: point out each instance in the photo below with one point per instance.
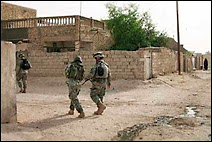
(148, 66)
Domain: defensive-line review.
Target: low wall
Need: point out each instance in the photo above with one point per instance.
(188, 66)
(123, 64)
(164, 61)
(8, 98)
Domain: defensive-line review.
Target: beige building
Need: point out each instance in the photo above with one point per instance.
(51, 41)
(11, 11)
(52, 34)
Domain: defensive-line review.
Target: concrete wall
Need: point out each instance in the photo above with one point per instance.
(8, 98)
(11, 11)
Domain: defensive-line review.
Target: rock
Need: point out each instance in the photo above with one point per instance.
(194, 94)
(161, 74)
(202, 123)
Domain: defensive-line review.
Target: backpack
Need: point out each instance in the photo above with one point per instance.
(25, 65)
(101, 70)
(75, 72)
(80, 73)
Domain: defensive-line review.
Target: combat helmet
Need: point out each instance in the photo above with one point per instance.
(100, 54)
(78, 58)
(21, 55)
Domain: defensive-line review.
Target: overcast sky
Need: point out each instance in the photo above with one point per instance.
(194, 16)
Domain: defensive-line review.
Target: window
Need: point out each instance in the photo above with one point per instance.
(59, 46)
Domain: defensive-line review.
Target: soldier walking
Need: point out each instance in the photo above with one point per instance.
(100, 78)
(22, 72)
(75, 74)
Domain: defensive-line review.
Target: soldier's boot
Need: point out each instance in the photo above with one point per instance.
(21, 90)
(71, 112)
(24, 91)
(96, 112)
(81, 115)
(100, 110)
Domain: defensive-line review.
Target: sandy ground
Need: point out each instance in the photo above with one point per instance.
(42, 111)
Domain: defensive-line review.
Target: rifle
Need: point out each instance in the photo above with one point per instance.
(85, 81)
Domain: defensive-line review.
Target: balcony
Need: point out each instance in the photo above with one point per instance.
(17, 29)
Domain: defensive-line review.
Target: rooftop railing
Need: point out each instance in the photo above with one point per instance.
(50, 21)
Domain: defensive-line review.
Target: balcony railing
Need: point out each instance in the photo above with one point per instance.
(50, 21)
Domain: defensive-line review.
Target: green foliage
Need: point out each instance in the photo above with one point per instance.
(130, 30)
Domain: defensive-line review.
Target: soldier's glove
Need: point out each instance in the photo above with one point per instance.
(79, 85)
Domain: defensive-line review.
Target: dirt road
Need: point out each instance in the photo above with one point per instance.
(170, 107)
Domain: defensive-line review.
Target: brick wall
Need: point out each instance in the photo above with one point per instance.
(163, 61)
(99, 38)
(123, 64)
(37, 36)
(11, 11)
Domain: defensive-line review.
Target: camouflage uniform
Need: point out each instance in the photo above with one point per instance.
(21, 75)
(75, 73)
(98, 84)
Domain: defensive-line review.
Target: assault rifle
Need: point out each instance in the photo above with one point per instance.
(85, 81)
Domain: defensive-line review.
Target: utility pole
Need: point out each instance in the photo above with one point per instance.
(80, 21)
(178, 37)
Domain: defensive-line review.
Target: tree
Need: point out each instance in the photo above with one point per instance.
(130, 30)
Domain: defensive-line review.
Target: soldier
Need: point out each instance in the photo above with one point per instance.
(22, 72)
(100, 78)
(75, 74)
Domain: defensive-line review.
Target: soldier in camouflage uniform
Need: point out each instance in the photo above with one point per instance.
(75, 74)
(99, 83)
(21, 74)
